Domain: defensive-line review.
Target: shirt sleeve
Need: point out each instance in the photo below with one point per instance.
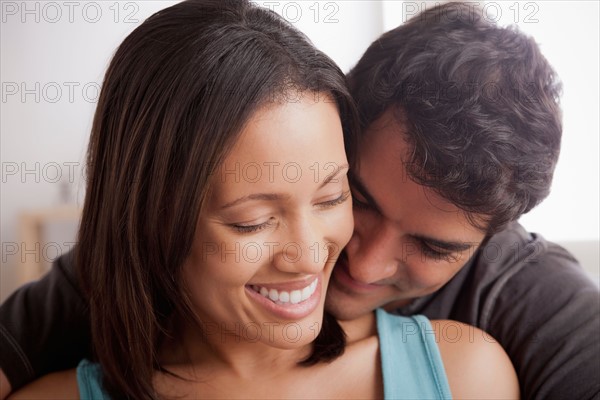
(547, 318)
(44, 326)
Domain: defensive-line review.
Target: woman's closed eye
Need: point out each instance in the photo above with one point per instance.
(251, 228)
(335, 202)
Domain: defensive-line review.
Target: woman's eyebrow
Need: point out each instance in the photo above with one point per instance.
(277, 196)
(256, 196)
(331, 176)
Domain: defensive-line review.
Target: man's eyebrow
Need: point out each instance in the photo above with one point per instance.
(335, 173)
(445, 245)
(255, 196)
(359, 186)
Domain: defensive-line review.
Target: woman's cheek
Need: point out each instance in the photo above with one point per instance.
(342, 227)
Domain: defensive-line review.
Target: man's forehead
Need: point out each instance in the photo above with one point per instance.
(391, 120)
(383, 179)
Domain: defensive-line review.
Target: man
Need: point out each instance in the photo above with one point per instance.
(461, 134)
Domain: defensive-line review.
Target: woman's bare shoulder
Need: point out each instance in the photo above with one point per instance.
(58, 385)
(476, 364)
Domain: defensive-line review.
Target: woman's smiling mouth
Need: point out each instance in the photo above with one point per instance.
(295, 301)
(283, 297)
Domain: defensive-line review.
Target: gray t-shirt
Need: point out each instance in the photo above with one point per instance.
(532, 296)
(529, 294)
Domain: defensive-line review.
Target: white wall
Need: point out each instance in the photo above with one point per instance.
(53, 56)
(54, 53)
(569, 36)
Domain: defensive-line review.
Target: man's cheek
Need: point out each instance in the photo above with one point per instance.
(410, 254)
(423, 275)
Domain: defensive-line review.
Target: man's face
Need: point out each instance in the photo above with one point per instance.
(407, 240)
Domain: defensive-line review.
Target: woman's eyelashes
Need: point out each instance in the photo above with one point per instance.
(337, 201)
(241, 228)
(324, 205)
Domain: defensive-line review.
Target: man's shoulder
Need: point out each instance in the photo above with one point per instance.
(539, 303)
(517, 257)
(534, 297)
(515, 263)
(515, 245)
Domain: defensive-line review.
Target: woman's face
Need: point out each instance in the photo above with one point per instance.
(277, 216)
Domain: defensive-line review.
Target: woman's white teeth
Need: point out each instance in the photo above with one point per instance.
(282, 296)
(296, 296)
(273, 295)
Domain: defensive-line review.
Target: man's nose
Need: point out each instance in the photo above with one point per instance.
(372, 255)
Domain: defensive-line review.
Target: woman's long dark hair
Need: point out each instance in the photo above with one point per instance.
(174, 100)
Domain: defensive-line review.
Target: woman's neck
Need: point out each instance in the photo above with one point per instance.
(215, 366)
(359, 328)
(228, 351)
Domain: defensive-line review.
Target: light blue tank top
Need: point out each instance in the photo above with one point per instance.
(410, 360)
(89, 380)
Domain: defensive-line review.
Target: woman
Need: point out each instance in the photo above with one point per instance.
(217, 202)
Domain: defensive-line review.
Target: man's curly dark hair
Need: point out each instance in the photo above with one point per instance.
(477, 103)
